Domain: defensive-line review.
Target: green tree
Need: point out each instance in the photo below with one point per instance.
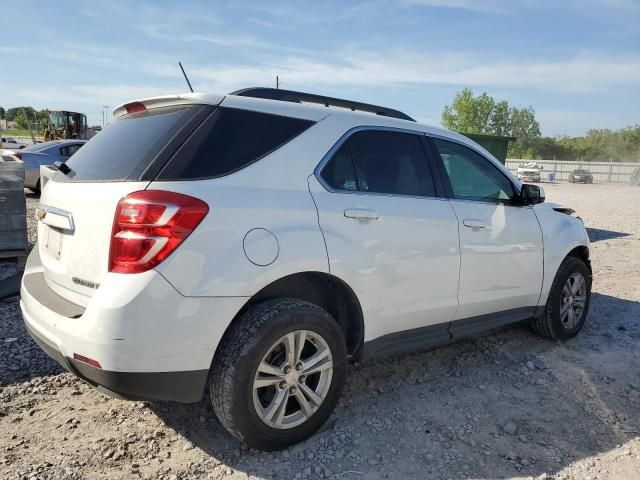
(3, 113)
(468, 113)
(21, 121)
(482, 114)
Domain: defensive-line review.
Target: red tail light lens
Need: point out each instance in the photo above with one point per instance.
(17, 156)
(149, 225)
(135, 107)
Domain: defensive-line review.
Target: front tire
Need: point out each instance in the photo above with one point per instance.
(568, 303)
(278, 373)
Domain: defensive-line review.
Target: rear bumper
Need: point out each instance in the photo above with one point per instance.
(151, 342)
(185, 386)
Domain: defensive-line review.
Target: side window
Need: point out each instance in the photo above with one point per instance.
(339, 172)
(390, 162)
(230, 140)
(64, 152)
(71, 149)
(472, 176)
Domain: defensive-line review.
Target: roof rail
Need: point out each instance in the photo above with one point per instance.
(301, 97)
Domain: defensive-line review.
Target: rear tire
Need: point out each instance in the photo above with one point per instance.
(295, 400)
(37, 189)
(568, 303)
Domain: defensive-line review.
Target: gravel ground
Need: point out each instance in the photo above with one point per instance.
(506, 405)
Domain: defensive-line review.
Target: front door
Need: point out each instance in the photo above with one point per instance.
(500, 241)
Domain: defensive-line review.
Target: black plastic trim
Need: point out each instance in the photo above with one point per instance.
(185, 386)
(441, 334)
(300, 97)
(202, 112)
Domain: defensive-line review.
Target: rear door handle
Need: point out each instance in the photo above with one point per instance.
(474, 224)
(361, 214)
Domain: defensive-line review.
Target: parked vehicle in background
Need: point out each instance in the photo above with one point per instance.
(529, 172)
(635, 176)
(9, 143)
(580, 175)
(253, 244)
(45, 153)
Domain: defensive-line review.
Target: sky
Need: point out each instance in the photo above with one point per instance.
(576, 62)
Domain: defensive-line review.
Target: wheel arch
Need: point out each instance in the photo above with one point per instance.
(581, 252)
(324, 290)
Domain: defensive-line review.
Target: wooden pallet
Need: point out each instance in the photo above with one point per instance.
(13, 221)
(13, 224)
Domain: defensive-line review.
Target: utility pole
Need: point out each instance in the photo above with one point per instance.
(277, 82)
(106, 116)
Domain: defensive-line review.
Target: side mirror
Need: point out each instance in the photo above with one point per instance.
(531, 194)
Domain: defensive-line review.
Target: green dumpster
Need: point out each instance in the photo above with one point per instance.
(495, 144)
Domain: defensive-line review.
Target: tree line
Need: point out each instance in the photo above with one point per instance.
(482, 114)
(25, 117)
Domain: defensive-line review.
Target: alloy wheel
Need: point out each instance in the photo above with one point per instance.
(573, 300)
(292, 379)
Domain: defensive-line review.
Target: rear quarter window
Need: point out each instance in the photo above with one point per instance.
(229, 140)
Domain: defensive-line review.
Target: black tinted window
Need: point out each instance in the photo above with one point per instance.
(229, 140)
(471, 175)
(390, 162)
(124, 149)
(339, 172)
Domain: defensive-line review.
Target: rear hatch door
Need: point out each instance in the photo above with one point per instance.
(77, 208)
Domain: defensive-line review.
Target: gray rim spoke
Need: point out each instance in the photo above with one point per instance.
(264, 367)
(290, 348)
(262, 381)
(300, 338)
(276, 406)
(317, 362)
(304, 403)
(577, 283)
(287, 371)
(311, 395)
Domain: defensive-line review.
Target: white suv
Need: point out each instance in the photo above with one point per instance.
(256, 243)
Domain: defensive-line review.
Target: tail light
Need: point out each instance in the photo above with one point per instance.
(17, 156)
(149, 225)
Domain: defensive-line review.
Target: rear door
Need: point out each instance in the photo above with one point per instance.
(500, 240)
(77, 209)
(388, 235)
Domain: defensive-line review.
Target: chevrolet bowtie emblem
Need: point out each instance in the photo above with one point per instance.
(40, 213)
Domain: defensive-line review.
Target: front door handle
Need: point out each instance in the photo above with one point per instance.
(474, 224)
(361, 214)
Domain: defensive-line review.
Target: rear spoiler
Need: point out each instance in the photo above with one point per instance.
(166, 101)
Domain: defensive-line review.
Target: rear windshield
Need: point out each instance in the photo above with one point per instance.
(229, 140)
(124, 149)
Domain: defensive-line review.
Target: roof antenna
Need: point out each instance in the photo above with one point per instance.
(185, 77)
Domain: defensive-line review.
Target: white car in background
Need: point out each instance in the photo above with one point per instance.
(529, 172)
(8, 143)
(253, 244)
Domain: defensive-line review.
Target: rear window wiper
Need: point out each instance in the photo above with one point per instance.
(62, 167)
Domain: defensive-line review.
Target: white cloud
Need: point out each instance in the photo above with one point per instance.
(494, 6)
(584, 73)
